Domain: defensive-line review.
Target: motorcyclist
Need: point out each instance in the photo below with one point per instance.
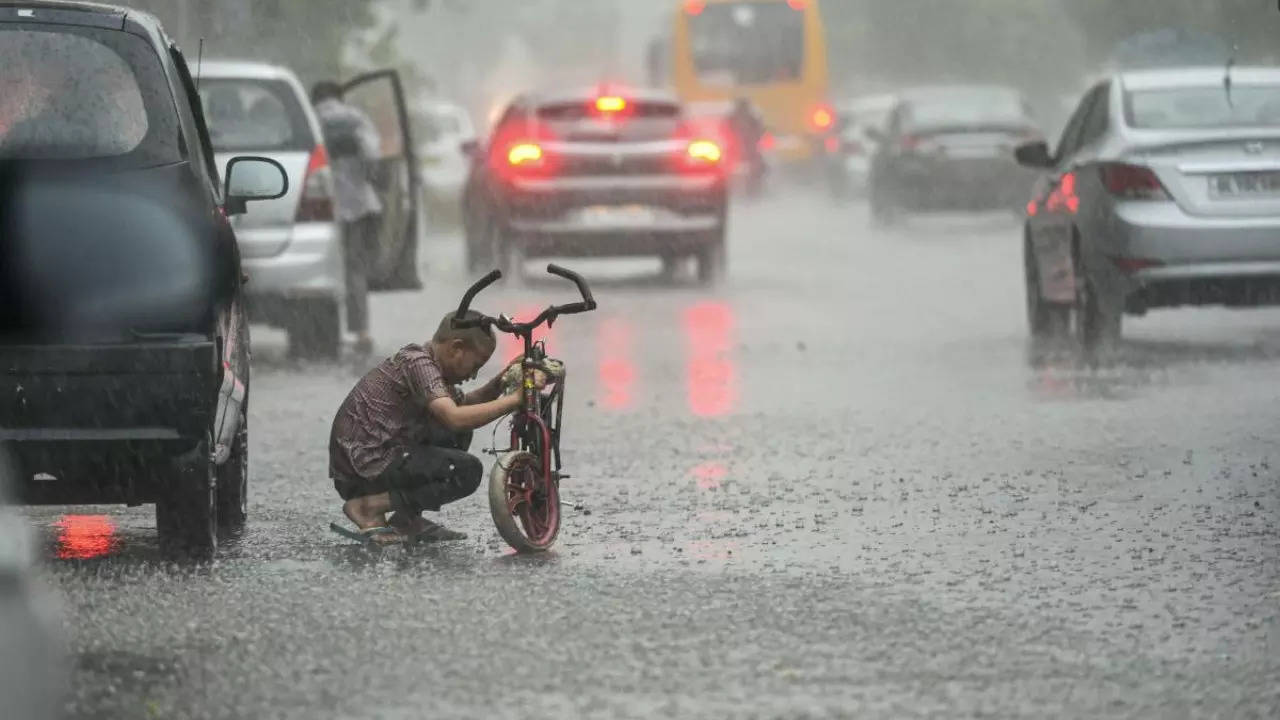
(748, 130)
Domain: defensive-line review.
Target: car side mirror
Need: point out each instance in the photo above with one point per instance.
(470, 148)
(1034, 155)
(253, 178)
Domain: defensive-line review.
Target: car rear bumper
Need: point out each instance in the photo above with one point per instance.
(961, 184)
(310, 266)
(92, 420)
(1161, 232)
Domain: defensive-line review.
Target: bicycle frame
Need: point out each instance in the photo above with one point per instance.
(532, 415)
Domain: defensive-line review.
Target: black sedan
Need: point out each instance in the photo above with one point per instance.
(951, 148)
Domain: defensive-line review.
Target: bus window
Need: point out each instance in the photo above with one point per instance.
(748, 43)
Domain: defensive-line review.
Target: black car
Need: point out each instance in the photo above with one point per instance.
(124, 360)
(596, 173)
(951, 148)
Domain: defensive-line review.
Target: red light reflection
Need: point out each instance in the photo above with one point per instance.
(710, 369)
(83, 537)
(511, 346)
(709, 474)
(617, 372)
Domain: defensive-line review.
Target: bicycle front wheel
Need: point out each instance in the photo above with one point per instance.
(524, 503)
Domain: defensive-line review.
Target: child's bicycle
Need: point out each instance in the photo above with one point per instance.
(524, 485)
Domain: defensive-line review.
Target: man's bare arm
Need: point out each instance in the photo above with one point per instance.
(469, 417)
(488, 392)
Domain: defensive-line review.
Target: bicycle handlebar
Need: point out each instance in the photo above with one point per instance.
(588, 304)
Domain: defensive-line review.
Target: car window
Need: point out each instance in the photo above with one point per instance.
(1203, 107)
(84, 94)
(965, 110)
(1096, 122)
(254, 115)
(1070, 139)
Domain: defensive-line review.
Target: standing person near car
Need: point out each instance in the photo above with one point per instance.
(354, 147)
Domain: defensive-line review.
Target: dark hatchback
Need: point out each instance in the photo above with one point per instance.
(124, 359)
(951, 148)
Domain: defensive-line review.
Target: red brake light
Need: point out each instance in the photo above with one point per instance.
(705, 152)
(823, 118)
(316, 204)
(1032, 209)
(695, 7)
(768, 141)
(1132, 182)
(798, 4)
(611, 104)
(833, 144)
(1064, 196)
(524, 154)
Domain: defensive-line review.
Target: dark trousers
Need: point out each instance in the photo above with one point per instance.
(425, 477)
(360, 252)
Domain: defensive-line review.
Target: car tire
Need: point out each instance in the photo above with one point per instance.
(233, 483)
(479, 246)
(1095, 327)
(187, 509)
(1045, 320)
(712, 260)
(315, 329)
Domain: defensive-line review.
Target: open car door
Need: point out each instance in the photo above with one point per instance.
(381, 96)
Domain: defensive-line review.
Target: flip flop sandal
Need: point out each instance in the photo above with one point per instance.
(433, 533)
(367, 536)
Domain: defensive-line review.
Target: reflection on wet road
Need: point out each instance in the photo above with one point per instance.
(838, 484)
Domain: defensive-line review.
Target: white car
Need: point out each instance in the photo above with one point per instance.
(849, 168)
(441, 129)
(290, 248)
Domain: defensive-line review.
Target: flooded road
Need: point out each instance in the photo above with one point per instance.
(834, 486)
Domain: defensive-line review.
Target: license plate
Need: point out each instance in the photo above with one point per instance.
(1257, 184)
(614, 215)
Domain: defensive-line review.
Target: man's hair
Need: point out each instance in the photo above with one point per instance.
(325, 90)
(479, 339)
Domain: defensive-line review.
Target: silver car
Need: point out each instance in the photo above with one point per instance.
(290, 248)
(1164, 191)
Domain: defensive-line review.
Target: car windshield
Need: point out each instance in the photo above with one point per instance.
(580, 120)
(1204, 107)
(83, 94)
(748, 43)
(965, 110)
(254, 115)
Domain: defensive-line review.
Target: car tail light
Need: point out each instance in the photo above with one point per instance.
(611, 104)
(798, 4)
(704, 152)
(317, 189)
(524, 154)
(1064, 196)
(832, 144)
(768, 142)
(695, 7)
(1033, 208)
(823, 117)
(1132, 182)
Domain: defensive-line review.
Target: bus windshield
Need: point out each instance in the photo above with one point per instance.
(748, 43)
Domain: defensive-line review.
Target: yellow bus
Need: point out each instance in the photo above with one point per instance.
(772, 52)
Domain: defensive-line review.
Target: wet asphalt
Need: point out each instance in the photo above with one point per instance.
(834, 486)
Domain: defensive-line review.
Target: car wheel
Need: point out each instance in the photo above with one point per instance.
(233, 483)
(1094, 325)
(712, 260)
(479, 249)
(187, 509)
(1044, 319)
(315, 329)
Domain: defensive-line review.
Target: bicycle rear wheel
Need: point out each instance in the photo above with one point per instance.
(524, 503)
